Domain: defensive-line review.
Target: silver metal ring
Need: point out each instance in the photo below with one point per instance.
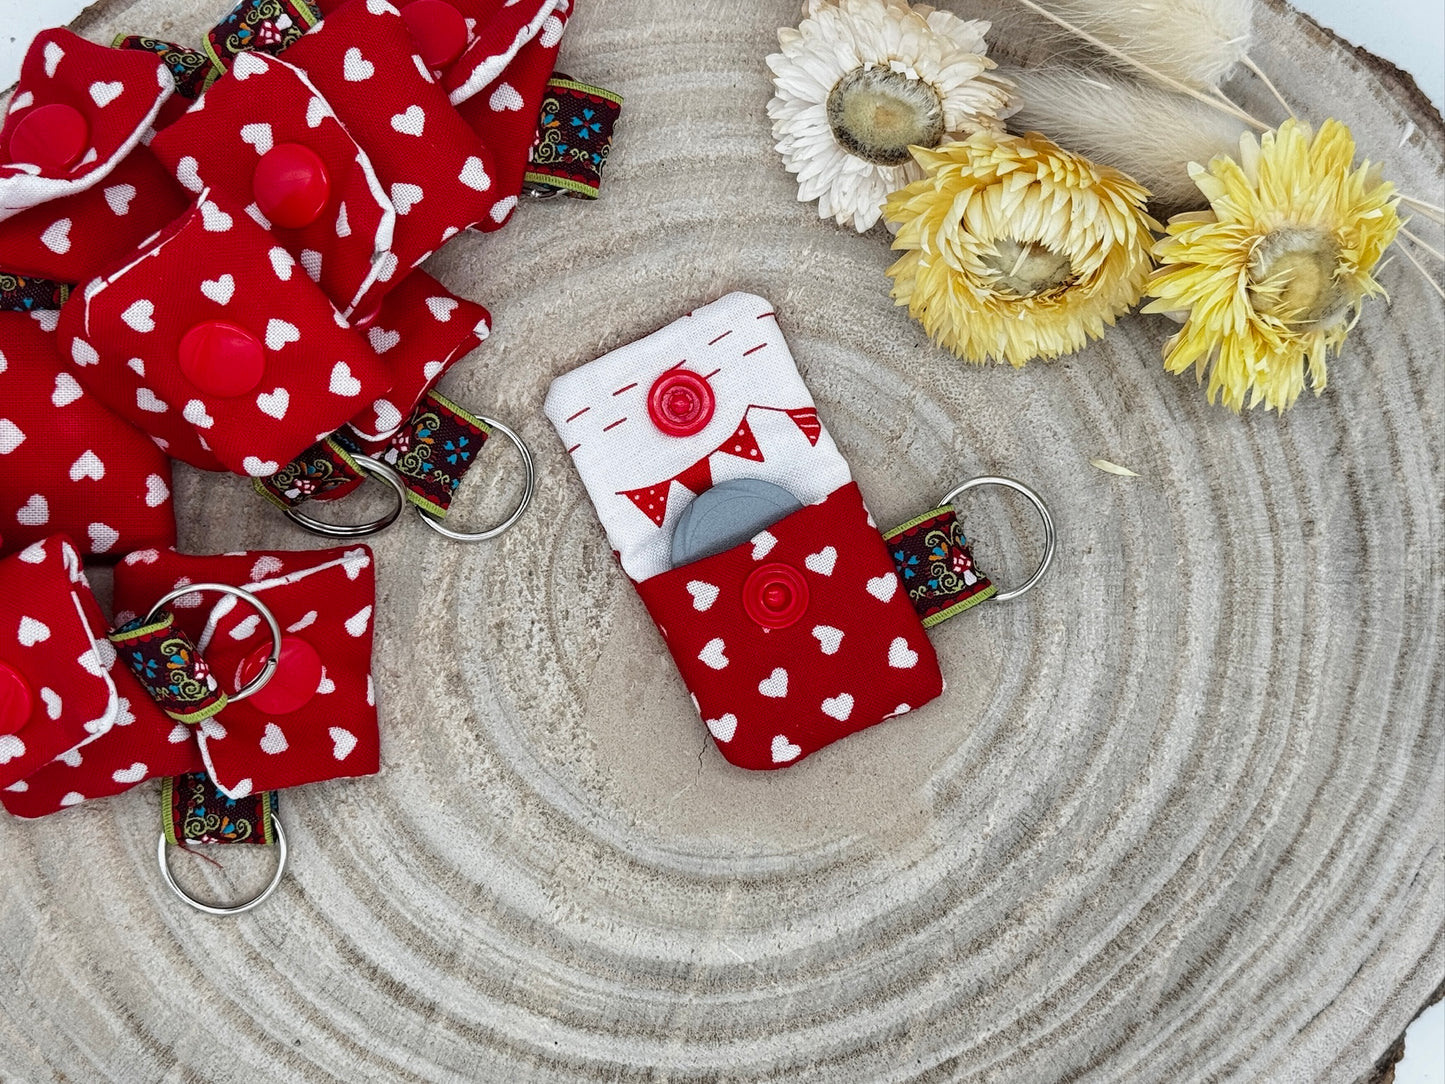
(239, 908)
(272, 661)
(1039, 506)
(435, 523)
(368, 466)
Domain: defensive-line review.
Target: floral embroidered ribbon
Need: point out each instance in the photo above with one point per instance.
(262, 26)
(194, 811)
(432, 452)
(574, 137)
(434, 449)
(169, 668)
(324, 471)
(190, 69)
(935, 566)
(22, 293)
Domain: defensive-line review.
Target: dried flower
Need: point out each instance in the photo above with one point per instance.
(859, 82)
(1016, 248)
(1272, 277)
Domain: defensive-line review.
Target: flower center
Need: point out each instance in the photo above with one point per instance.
(1026, 269)
(877, 114)
(1292, 277)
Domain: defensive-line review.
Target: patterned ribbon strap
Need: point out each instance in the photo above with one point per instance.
(21, 293)
(169, 667)
(574, 136)
(191, 70)
(324, 471)
(935, 566)
(259, 26)
(194, 811)
(434, 449)
(432, 452)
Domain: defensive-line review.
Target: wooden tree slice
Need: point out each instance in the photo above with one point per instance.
(1177, 817)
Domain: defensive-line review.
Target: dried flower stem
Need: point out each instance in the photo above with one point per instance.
(1431, 211)
(1404, 251)
(1221, 103)
(1258, 71)
(1421, 244)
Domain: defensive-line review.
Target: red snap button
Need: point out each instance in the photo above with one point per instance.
(295, 682)
(52, 137)
(291, 185)
(439, 30)
(680, 403)
(775, 595)
(15, 700)
(221, 358)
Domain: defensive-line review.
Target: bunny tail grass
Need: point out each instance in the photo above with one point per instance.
(1197, 42)
(1150, 134)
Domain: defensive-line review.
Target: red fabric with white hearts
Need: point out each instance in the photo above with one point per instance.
(142, 743)
(118, 92)
(49, 630)
(435, 170)
(505, 112)
(70, 239)
(216, 264)
(497, 41)
(325, 597)
(67, 464)
(420, 332)
(858, 655)
(263, 103)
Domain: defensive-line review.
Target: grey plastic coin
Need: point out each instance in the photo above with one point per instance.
(726, 515)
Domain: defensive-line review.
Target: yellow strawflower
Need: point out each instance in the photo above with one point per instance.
(1272, 277)
(1016, 249)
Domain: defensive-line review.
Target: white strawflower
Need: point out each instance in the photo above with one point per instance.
(859, 82)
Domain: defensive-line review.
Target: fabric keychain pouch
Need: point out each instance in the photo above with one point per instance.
(78, 111)
(316, 718)
(85, 714)
(215, 342)
(264, 140)
(793, 635)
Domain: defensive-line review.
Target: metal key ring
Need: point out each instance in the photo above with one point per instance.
(436, 524)
(368, 466)
(239, 908)
(272, 661)
(1039, 506)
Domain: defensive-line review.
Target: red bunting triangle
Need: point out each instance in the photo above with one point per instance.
(651, 501)
(806, 419)
(743, 444)
(697, 477)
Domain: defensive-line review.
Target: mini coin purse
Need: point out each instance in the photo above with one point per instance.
(234, 361)
(247, 138)
(78, 110)
(363, 59)
(316, 717)
(86, 713)
(790, 636)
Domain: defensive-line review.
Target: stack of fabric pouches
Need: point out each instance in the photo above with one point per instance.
(212, 254)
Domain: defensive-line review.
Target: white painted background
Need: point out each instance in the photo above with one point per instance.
(1411, 33)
